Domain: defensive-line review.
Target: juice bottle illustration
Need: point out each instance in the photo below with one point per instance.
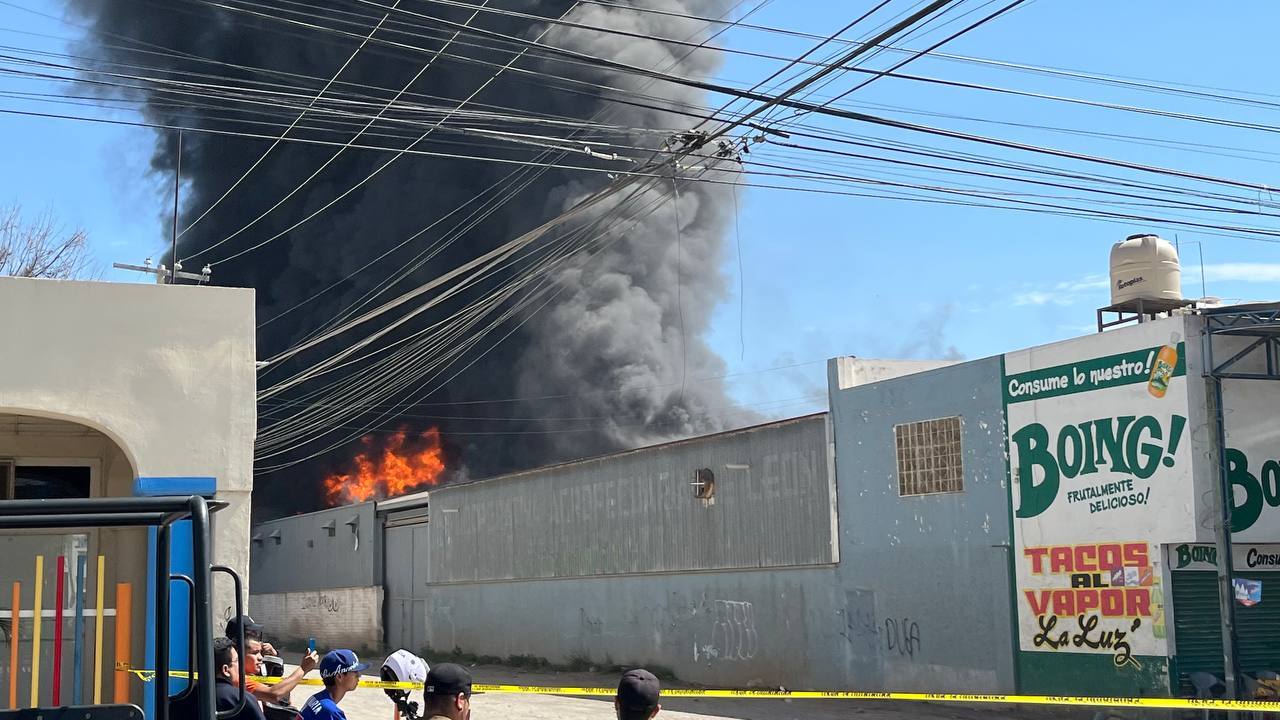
(1162, 372)
(1157, 613)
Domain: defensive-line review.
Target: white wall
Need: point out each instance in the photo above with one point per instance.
(166, 372)
(853, 371)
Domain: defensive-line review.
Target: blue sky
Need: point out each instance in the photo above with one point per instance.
(825, 275)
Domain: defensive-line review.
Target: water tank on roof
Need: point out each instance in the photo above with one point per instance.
(1145, 267)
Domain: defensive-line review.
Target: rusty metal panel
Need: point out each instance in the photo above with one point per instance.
(638, 512)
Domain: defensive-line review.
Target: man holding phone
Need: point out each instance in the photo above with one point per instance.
(252, 653)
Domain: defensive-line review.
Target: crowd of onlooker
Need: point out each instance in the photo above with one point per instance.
(446, 687)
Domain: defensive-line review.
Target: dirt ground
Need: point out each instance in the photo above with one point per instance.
(373, 704)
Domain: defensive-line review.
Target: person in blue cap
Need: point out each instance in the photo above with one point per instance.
(340, 673)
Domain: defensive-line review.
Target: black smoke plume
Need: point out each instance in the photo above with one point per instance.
(612, 359)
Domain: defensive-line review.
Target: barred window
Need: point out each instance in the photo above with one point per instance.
(929, 460)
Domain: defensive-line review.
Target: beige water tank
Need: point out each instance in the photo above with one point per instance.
(1146, 267)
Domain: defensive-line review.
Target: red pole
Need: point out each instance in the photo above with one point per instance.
(57, 632)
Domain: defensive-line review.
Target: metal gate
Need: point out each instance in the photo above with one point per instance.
(1198, 627)
(406, 552)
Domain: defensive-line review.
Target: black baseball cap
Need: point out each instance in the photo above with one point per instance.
(250, 627)
(447, 679)
(638, 689)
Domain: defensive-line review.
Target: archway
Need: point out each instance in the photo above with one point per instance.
(44, 455)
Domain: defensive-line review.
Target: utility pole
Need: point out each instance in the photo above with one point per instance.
(1223, 503)
(177, 183)
(171, 274)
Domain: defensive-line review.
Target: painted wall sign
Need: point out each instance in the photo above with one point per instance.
(1100, 475)
(1095, 597)
(1189, 556)
(1253, 458)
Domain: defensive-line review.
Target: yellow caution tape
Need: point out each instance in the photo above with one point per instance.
(1270, 706)
(1152, 702)
(149, 675)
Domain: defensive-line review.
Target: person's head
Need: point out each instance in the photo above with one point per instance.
(252, 654)
(637, 697)
(340, 670)
(447, 692)
(226, 661)
(251, 629)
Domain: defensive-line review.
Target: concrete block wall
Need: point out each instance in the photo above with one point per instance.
(925, 577)
(335, 617)
(743, 628)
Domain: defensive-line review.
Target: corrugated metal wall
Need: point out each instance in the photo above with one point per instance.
(636, 512)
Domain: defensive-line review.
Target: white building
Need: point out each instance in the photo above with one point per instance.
(111, 389)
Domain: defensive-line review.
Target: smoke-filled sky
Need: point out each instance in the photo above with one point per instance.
(816, 276)
(624, 318)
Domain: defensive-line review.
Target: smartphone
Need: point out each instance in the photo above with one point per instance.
(311, 645)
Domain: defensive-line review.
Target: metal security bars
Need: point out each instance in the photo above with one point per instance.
(929, 457)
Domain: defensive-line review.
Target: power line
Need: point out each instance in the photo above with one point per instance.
(846, 114)
(268, 151)
(877, 74)
(329, 161)
(754, 9)
(1233, 230)
(796, 88)
(566, 396)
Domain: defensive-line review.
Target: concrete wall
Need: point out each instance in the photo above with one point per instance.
(159, 382)
(757, 628)
(850, 371)
(349, 617)
(340, 547)
(925, 578)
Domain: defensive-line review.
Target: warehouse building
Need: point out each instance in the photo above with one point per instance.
(1041, 522)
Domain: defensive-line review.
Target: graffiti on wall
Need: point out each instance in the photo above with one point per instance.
(861, 629)
(732, 632)
(902, 635)
(320, 601)
(867, 636)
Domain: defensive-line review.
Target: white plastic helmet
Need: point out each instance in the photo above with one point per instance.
(406, 667)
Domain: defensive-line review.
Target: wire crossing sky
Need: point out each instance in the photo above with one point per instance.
(939, 184)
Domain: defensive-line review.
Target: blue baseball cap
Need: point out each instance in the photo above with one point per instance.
(336, 662)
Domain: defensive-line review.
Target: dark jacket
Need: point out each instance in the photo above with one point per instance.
(183, 706)
(227, 697)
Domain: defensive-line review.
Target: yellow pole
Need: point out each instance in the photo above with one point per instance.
(36, 611)
(15, 615)
(124, 621)
(97, 637)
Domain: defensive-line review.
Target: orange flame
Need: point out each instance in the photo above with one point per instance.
(390, 470)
